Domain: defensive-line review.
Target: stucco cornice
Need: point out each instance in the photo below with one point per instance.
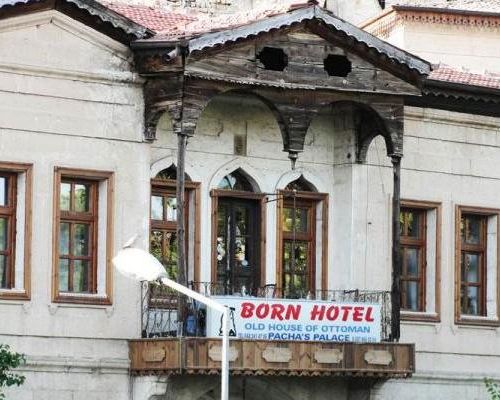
(383, 25)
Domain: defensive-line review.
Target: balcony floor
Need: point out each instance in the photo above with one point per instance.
(201, 356)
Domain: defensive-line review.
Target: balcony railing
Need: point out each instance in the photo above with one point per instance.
(161, 317)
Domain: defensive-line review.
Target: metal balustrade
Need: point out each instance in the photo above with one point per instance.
(168, 314)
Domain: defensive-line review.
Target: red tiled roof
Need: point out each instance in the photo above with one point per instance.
(152, 18)
(448, 74)
(169, 24)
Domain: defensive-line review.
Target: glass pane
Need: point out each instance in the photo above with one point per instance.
(157, 208)
(240, 253)
(470, 228)
(411, 261)
(64, 238)
(155, 244)
(242, 215)
(64, 197)
(235, 181)
(413, 223)
(63, 275)
(470, 267)
(81, 236)
(411, 296)
(470, 301)
(82, 198)
(80, 276)
(4, 191)
(3, 271)
(300, 285)
(301, 217)
(287, 257)
(3, 233)
(170, 254)
(171, 206)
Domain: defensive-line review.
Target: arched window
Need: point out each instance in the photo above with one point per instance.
(236, 228)
(163, 229)
(301, 184)
(170, 173)
(236, 180)
(301, 220)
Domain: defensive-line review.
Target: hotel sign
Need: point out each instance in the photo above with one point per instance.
(297, 320)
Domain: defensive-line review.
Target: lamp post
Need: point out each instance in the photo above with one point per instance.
(142, 266)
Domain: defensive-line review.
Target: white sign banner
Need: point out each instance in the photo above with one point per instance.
(297, 320)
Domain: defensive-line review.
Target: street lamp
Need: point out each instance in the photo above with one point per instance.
(140, 265)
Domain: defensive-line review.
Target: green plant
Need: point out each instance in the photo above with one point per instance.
(9, 360)
(492, 388)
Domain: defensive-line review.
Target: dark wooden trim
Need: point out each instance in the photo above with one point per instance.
(215, 194)
(16, 169)
(195, 189)
(314, 198)
(421, 316)
(61, 173)
(475, 320)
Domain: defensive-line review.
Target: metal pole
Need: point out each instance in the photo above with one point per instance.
(396, 257)
(224, 394)
(225, 331)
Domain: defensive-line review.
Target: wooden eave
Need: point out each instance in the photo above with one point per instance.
(451, 96)
(398, 62)
(88, 12)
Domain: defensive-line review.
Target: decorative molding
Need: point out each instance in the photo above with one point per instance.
(154, 354)
(215, 353)
(277, 354)
(383, 26)
(378, 357)
(328, 356)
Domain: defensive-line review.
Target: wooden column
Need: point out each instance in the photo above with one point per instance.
(396, 258)
(181, 220)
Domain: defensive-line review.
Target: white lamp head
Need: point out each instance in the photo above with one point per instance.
(138, 264)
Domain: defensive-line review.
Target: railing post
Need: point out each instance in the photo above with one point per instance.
(396, 258)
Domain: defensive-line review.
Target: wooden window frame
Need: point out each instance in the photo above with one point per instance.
(261, 198)
(315, 198)
(15, 169)
(478, 320)
(171, 185)
(425, 315)
(86, 176)
(419, 243)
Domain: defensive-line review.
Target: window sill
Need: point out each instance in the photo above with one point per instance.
(416, 316)
(82, 298)
(478, 321)
(14, 294)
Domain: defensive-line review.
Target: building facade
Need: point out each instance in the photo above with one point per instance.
(304, 134)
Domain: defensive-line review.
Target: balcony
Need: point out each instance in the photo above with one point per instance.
(176, 346)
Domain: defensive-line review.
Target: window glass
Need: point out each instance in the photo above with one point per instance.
(3, 191)
(77, 228)
(472, 264)
(157, 208)
(82, 198)
(65, 196)
(412, 251)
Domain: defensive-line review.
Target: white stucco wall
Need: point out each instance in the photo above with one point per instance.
(475, 48)
(78, 104)
(68, 98)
